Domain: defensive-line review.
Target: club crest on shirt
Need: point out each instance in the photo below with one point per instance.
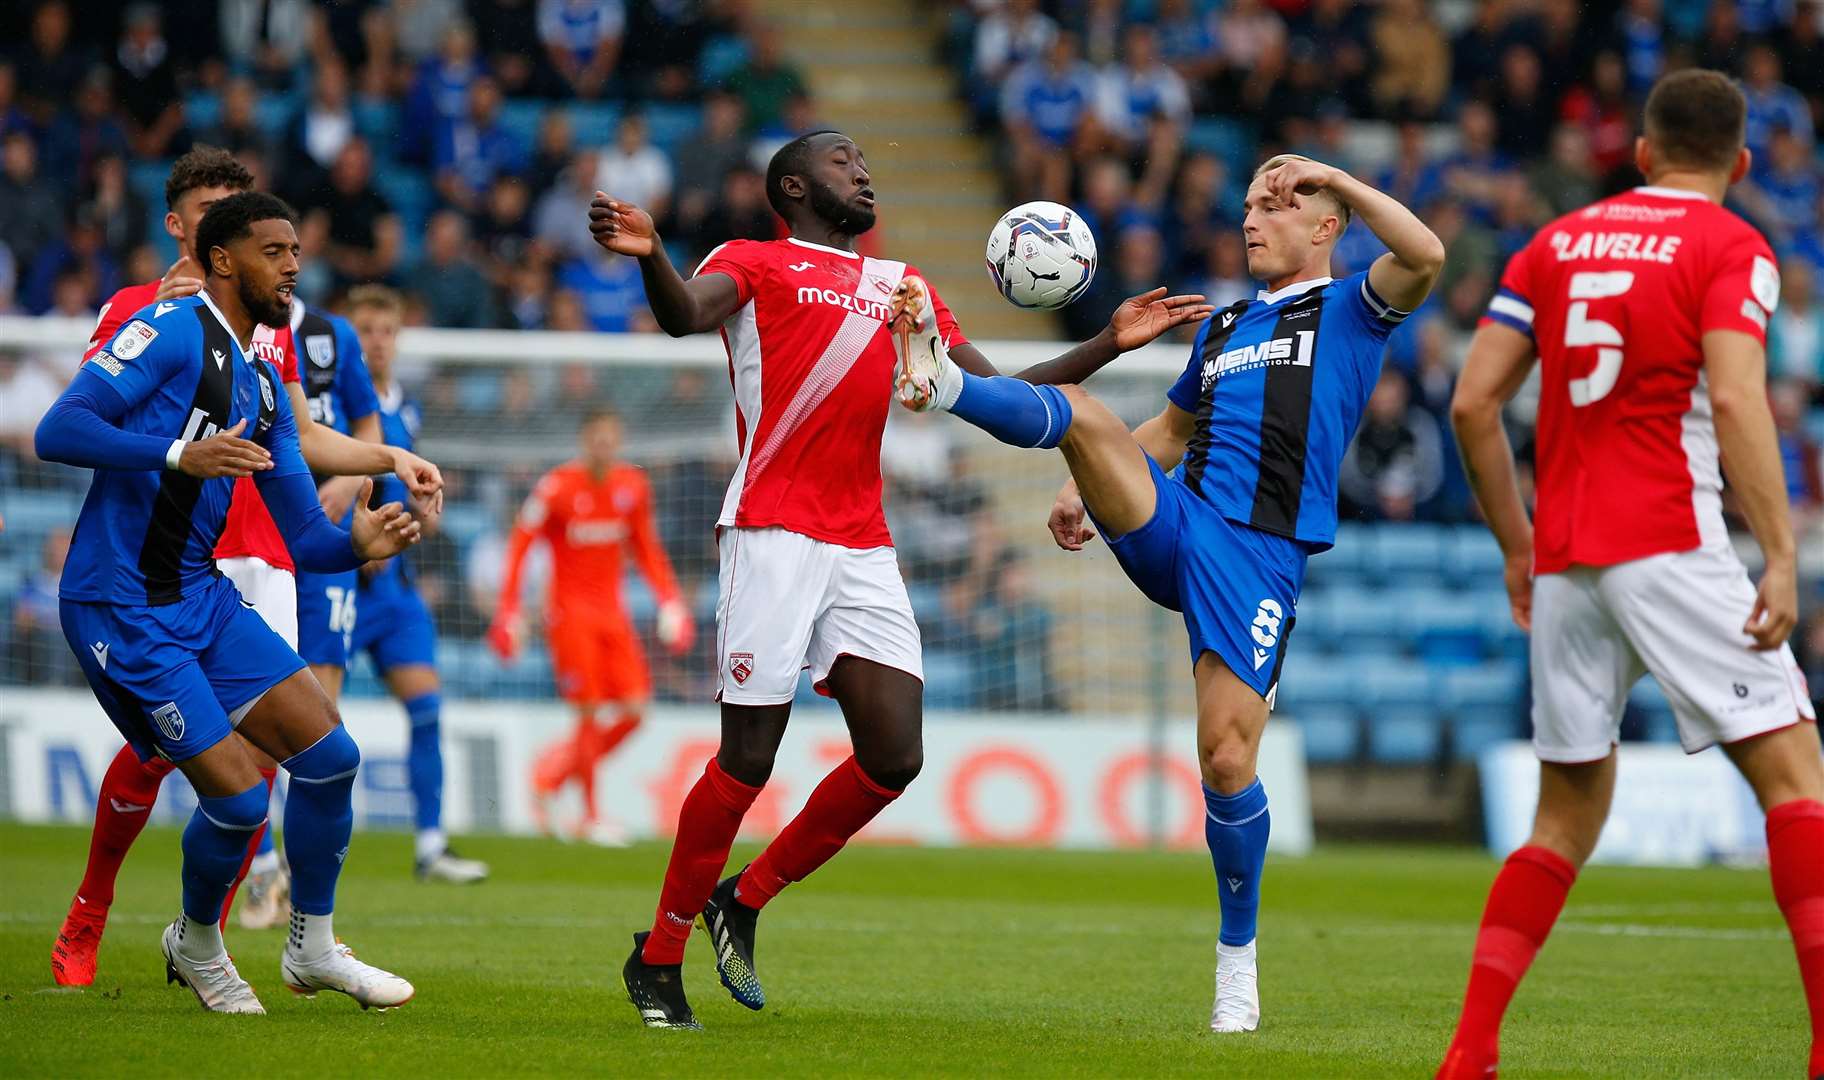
(321, 349)
(132, 339)
(741, 665)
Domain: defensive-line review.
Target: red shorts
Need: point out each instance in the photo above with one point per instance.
(597, 659)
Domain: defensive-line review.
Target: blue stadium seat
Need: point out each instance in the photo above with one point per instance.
(1445, 628)
(520, 118)
(1505, 640)
(1469, 736)
(1312, 681)
(35, 513)
(1492, 687)
(1404, 736)
(377, 119)
(409, 192)
(273, 112)
(594, 122)
(1473, 558)
(949, 679)
(1650, 700)
(147, 179)
(1332, 734)
(202, 109)
(670, 124)
(1384, 687)
(1411, 550)
(1228, 139)
(1354, 622)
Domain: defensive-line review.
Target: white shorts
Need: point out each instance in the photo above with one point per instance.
(272, 592)
(1597, 630)
(789, 602)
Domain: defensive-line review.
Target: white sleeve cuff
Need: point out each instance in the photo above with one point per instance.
(174, 454)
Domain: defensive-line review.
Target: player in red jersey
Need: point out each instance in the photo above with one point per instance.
(808, 573)
(251, 551)
(591, 512)
(1648, 315)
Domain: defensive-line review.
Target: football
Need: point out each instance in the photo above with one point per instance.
(1041, 255)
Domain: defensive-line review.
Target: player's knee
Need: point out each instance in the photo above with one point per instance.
(894, 770)
(1227, 763)
(334, 757)
(751, 765)
(242, 813)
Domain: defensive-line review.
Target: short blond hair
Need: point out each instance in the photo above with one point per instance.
(381, 297)
(1274, 162)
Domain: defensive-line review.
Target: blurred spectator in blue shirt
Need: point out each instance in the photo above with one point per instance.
(1795, 334)
(30, 213)
(1771, 103)
(51, 64)
(453, 291)
(476, 150)
(1187, 41)
(1473, 174)
(84, 134)
(1197, 214)
(34, 627)
(323, 126)
(609, 287)
(1014, 34)
(439, 97)
(78, 250)
(1144, 103)
(1781, 193)
(1048, 108)
(582, 41)
(1412, 178)
(1642, 37)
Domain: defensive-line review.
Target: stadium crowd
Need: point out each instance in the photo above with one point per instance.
(449, 147)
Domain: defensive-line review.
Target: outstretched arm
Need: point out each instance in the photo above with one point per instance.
(1136, 322)
(1403, 277)
(1736, 367)
(681, 307)
(327, 450)
(1500, 358)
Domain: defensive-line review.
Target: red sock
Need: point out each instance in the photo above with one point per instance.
(1795, 856)
(1523, 904)
(253, 848)
(841, 806)
(128, 790)
(592, 745)
(707, 823)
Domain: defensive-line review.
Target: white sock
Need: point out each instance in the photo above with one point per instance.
(431, 843)
(311, 936)
(264, 863)
(949, 379)
(199, 941)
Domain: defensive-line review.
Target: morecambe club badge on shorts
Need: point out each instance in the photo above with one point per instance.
(741, 665)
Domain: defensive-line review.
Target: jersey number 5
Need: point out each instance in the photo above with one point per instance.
(1581, 331)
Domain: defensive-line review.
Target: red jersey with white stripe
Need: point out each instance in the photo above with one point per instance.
(249, 530)
(812, 366)
(1617, 297)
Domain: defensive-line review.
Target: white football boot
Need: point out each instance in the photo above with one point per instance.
(448, 866)
(924, 376)
(216, 984)
(338, 970)
(1237, 1005)
(266, 903)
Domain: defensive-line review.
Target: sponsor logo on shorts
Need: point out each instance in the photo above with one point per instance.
(170, 721)
(1265, 629)
(1740, 690)
(741, 665)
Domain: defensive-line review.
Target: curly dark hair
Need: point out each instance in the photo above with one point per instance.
(233, 218)
(205, 167)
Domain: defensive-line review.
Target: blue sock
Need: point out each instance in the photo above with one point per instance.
(1015, 412)
(215, 841)
(319, 816)
(1236, 828)
(424, 761)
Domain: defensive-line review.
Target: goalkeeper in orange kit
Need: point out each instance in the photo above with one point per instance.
(592, 512)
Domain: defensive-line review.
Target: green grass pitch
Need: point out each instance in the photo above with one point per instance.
(905, 962)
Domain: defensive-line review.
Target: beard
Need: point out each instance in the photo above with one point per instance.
(844, 217)
(267, 308)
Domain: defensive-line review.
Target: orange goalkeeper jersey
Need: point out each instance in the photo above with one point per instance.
(590, 525)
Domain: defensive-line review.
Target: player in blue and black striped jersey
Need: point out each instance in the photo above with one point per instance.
(1254, 433)
(177, 660)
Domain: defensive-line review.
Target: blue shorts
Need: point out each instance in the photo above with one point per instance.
(395, 630)
(1236, 585)
(326, 617)
(177, 678)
